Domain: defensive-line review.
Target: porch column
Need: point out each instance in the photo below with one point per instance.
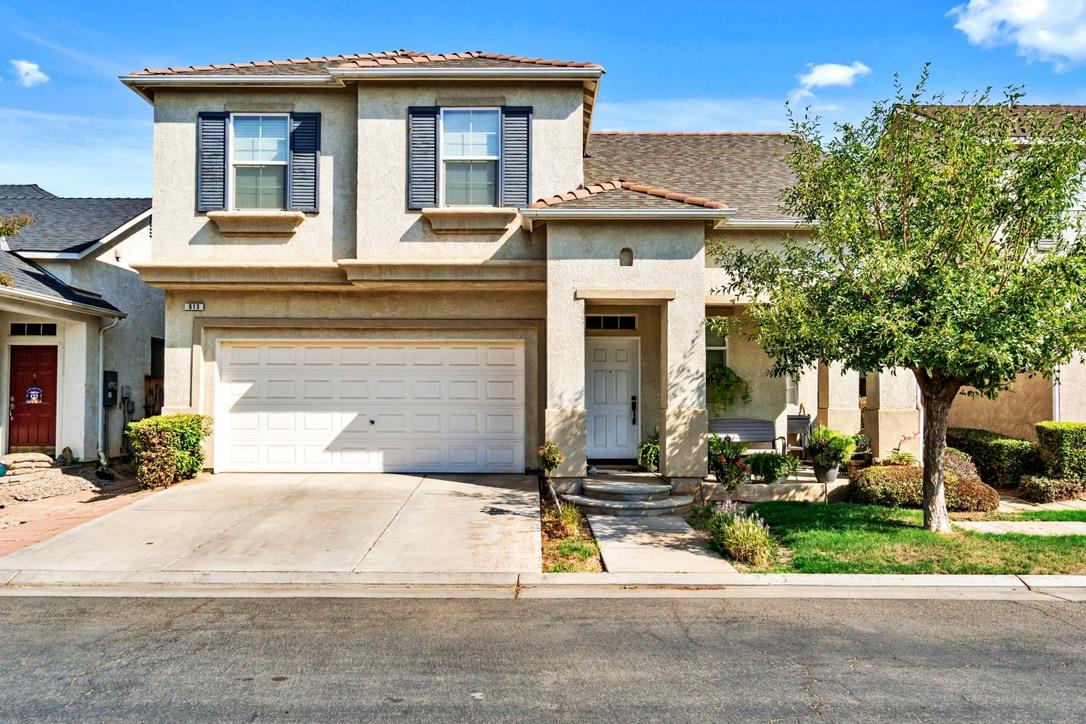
(892, 412)
(683, 415)
(839, 397)
(79, 389)
(565, 419)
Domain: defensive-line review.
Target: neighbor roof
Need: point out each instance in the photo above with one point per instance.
(744, 171)
(28, 277)
(1019, 113)
(24, 191)
(68, 225)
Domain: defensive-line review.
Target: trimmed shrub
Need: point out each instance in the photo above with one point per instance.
(1041, 489)
(743, 538)
(898, 486)
(1063, 449)
(959, 463)
(1001, 461)
(168, 448)
(769, 467)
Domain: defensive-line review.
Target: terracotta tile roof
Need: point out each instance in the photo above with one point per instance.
(619, 194)
(747, 169)
(388, 58)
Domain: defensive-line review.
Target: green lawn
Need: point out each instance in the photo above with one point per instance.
(847, 538)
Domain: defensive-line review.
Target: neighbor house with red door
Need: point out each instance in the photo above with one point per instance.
(82, 336)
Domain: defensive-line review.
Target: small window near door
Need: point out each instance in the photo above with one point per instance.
(610, 321)
(716, 349)
(791, 390)
(32, 329)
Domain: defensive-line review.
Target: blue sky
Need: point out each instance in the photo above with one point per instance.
(69, 125)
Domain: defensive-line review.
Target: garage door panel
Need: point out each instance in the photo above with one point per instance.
(441, 407)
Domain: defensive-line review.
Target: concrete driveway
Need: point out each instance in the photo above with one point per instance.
(309, 523)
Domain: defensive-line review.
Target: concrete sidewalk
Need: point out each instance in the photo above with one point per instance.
(662, 544)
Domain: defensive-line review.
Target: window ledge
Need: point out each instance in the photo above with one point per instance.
(257, 223)
(470, 219)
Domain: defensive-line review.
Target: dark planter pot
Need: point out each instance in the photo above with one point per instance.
(825, 475)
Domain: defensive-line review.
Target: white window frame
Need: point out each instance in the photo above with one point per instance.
(791, 390)
(230, 183)
(441, 156)
(723, 348)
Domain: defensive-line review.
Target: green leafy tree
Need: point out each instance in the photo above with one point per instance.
(10, 226)
(925, 253)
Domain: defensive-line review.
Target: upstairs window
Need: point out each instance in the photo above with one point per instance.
(259, 155)
(470, 143)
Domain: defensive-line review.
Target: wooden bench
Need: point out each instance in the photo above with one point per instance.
(745, 429)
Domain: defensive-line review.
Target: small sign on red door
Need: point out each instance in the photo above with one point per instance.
(34, 396)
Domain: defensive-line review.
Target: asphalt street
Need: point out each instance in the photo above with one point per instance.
(540, 660)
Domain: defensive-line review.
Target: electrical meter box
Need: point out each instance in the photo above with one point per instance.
(109, 388)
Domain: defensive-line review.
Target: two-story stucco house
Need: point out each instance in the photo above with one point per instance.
(83, 337)
(411, 262)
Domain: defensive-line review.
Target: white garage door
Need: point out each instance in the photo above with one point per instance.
(370, 407)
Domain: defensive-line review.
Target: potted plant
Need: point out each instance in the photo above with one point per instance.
(828, 450)
(648, 454)
(550, 457)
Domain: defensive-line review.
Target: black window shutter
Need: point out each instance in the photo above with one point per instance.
(305, 150)
(211, 161)
(516, 171)
(422, 157)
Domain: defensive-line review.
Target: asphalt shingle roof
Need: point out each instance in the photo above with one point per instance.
(745, 171)
(27, 276)
(24, 191)
(1020, 115)
(68, 225)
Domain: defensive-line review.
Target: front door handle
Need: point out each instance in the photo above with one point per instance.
(633, 409)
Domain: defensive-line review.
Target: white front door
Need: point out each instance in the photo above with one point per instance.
(612, 382)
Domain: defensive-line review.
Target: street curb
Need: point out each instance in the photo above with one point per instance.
(537, 585)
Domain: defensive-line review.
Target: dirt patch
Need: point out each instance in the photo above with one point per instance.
(568, 544)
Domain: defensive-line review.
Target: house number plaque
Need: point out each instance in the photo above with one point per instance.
(194, 306)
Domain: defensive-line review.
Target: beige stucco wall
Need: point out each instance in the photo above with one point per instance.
(183, 234)
(108, 272)
(1073, 390)
(1013, 413)
(750, 239)
(191, 337)
(387, 229)
(671, 256)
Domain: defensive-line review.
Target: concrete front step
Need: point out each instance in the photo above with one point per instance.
(622, 490)
(674, 505)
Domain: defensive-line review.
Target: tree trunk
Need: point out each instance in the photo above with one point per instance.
(936, 414)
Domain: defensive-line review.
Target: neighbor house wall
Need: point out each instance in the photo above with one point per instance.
(1014, 412)
(108, 272)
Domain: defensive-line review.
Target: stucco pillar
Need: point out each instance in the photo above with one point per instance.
(178, 358)
(565, 418)
(838, 397)
(892, 412)
(683, 414)
(80, 389)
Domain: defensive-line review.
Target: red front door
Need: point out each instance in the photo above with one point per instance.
(33, 397)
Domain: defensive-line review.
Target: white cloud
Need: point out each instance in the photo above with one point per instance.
(1050, 30)
(826, 74)
(28, 74)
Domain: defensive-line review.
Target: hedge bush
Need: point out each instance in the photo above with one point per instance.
(899, 486)
(1041, 489)
(1063, 449)
(168, 448)
(769, 467)
(1001, 461)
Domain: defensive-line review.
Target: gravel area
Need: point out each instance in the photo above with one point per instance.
(72, 479)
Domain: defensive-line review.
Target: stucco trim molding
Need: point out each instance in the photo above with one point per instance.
(257, 223)
(234, 274)
(625, 295)
(444, 270)
(469, 219)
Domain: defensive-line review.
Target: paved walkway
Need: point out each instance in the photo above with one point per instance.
(1011, 504)
(664, 544)
(1024, 527)
(308, 523)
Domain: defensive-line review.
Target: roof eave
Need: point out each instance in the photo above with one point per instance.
(143, 85)
(420, 72)
(58, 303)
(530, 217)
(770, 224)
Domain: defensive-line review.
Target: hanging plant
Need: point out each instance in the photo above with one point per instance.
(725, 386)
